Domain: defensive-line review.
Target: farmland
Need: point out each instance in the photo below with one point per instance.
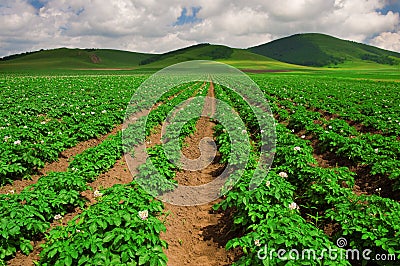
(335, 175)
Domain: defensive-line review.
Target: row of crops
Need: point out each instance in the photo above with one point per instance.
(288, 211)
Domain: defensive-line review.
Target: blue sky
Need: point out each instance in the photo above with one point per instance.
(393, 6)
(188, 17)
(160, 26)
(37, 3)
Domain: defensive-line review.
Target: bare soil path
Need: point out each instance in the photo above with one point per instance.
(196, 234)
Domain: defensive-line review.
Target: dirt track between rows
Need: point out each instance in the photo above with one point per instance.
(197, 235)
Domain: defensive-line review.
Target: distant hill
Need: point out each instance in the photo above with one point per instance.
(65, 58)
(203, 51)
(313, 49)
(199, 51)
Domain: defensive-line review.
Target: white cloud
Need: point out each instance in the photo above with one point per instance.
(148, 26)
(13, 21)
(289, 10)
(388, 40)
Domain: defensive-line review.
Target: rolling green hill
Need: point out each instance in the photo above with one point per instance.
(199, 52)
(313, 49)
(236, 57)
(64, 58)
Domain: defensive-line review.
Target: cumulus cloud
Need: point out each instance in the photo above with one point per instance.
(387, 40)
(153, 26)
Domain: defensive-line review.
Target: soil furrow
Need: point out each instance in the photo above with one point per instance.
(57, 166)
(196, 234)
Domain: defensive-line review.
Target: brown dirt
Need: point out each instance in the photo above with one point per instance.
(331, 229)
(327, 159)
(27, 260)
(264, 70)
(58, 166)
(369, 184)
(191, 150)
(363, 128)
(106, 69)
(196, 234)
(118, 174)
(95, 59)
